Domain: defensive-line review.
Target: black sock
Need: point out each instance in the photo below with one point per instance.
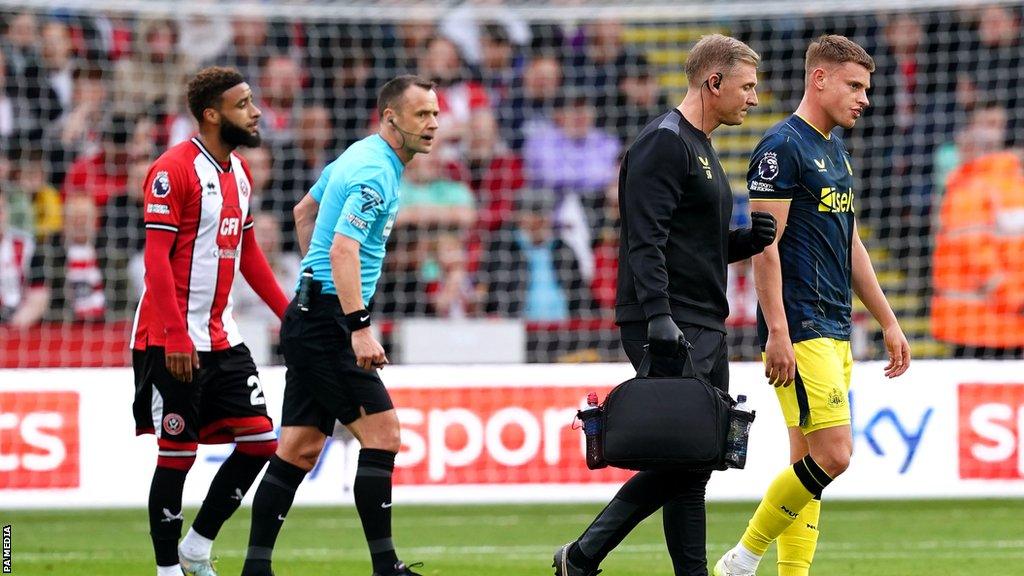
(232, 481)
(372, 492)
(269, 507)
(165, 517)
(638, 498)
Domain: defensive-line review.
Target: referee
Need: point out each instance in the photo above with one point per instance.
(676, 205)
(330, 353)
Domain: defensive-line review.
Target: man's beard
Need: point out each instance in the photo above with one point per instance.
(234, 135)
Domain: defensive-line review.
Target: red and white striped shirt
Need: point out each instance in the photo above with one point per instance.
(207, 206)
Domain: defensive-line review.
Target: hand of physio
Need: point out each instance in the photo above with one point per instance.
(663, 336)
(762, 230)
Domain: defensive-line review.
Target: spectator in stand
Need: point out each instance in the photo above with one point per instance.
(529, 271)
(978, 264)
(19, 202)
(452, 294)
(280, 98)
(249, 47)
(122, 238)
(15, 125)
(25, 77)
(46, 203)
(78, 292)
(639, 99)
(149, 81)
(296, 166)
(58, 69)
(495, 172)
(403, 56)
(462, 26)
(351, 95)
(24, 294)
(499, 69)
(78, 129)
(533, 102)
(104, 173)
(570, 154)
(458, 96)
(999, 59)
(430, 200)
(576, 160)
(599, 64)
(203, 37)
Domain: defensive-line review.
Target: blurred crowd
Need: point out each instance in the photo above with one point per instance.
(515, 212)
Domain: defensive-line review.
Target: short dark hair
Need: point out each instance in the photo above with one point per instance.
(836, 49)
(207, 87)
(392, 92)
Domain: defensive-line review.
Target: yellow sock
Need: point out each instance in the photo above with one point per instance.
(797, 543)
(785, 498)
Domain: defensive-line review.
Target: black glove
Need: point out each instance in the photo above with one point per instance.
(762, 230)
(664, 337)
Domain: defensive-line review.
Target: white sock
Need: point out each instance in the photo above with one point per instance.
(195, 546)
(169, 570)
(745, 559)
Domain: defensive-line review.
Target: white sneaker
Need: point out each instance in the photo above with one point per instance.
(726, 566)
(195, 566)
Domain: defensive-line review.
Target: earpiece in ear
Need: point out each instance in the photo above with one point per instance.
(718, 81)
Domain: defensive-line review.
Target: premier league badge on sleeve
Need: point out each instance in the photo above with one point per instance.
(768, 168)
(161, 185)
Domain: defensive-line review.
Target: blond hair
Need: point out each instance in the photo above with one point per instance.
(836, 49)
(717, 53)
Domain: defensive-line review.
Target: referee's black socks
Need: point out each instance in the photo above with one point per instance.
(372, 491)
(269, 508)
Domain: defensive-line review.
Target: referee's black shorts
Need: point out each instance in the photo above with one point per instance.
(323, 382)
(710, 353)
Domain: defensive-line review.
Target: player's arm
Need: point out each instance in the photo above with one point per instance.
(363, 206)
(780, 360)
(257, 272)
(865, 285)
(305, 219)
(166, 186)
(772, 177)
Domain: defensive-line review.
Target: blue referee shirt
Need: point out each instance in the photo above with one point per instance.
(358, 196)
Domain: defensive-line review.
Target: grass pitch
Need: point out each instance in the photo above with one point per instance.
(885, 538)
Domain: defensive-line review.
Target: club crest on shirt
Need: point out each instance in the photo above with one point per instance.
(243, 188)
(161, 185)
(768, 167)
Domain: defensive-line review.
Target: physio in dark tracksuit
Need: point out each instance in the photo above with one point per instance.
(676, 205)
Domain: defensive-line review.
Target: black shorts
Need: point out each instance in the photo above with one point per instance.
(224, 395)
(323, 382)
(710, 353)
